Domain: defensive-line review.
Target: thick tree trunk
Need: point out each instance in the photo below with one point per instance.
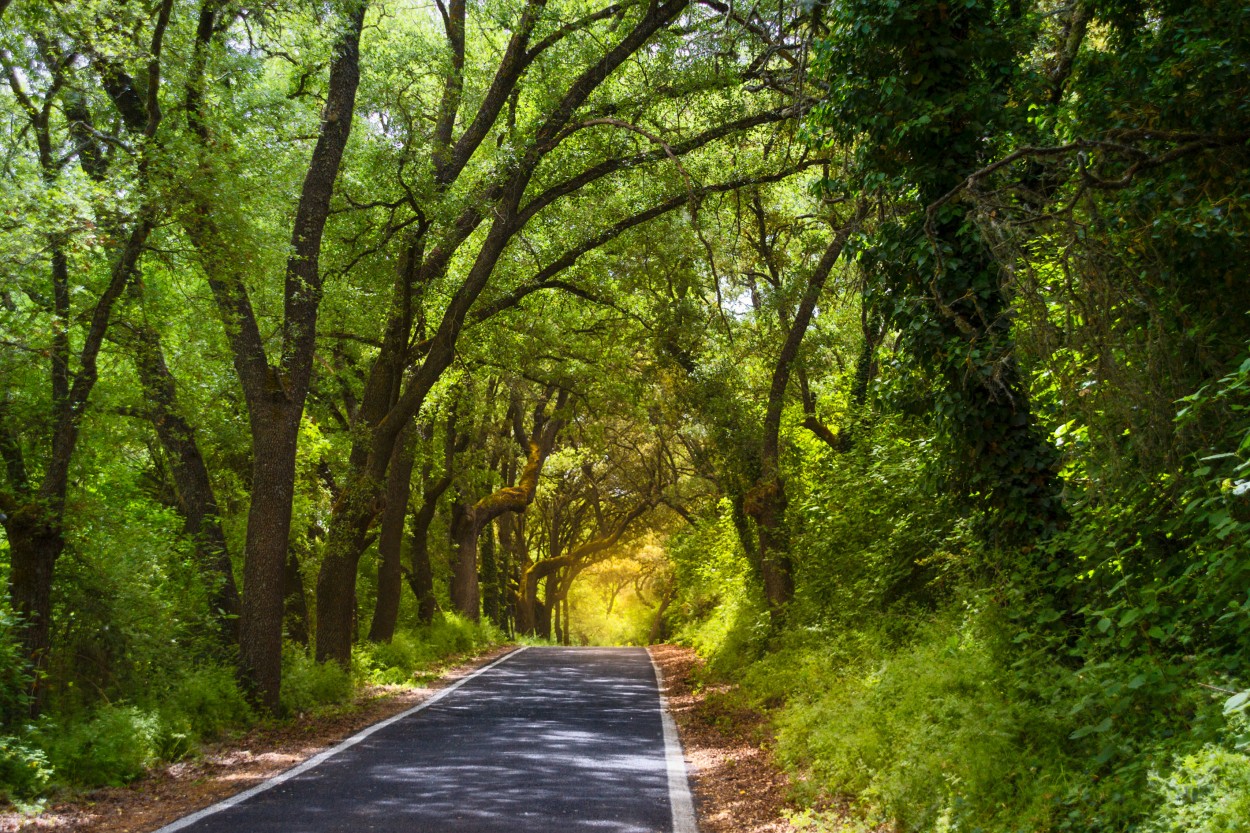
(34, 548)
(421, 579)
(390, 545)
(336, 581)
(274, 432)
(465, 592)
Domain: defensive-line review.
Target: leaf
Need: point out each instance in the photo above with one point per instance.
(1130, 616)
(1237, 702)
(1090, 730)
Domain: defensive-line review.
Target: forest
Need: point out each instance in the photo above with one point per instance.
(891, 353)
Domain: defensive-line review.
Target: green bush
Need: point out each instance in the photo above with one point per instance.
(14, 674)
(308, 685)
(411, 651)
(930, 734)
(1205, 792)
(24, 770)
(207, 703)
(113, 748)
(391, 663)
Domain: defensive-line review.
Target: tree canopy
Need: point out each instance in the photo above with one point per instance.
(893, 350)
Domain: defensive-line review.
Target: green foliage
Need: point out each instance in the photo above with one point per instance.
(308, 686)
(14, 674)
(1207, 791)
(413, 651)
(720, 610)
(206, 704)
(24, 770)
(930, 733)
(113, 747)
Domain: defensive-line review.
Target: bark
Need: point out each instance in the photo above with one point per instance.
(274, 428)
(421, 576)
(34, 547)
(658, 624)
(390, 540)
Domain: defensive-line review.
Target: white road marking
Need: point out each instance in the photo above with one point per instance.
(678, 784)
(322, 757)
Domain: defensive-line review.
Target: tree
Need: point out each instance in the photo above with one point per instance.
(37, 465)
(552, 146)
(275, 391)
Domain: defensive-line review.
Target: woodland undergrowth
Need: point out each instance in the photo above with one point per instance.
(923, 682)
(112, 742)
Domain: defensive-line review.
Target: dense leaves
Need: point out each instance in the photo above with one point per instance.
(892, 352)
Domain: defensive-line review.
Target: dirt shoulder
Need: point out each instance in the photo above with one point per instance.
(175, 790)
(737, 786)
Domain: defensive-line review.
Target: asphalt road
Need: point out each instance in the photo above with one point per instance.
(548, 740)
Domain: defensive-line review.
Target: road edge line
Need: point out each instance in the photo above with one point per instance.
(325, 755)
(679, 798)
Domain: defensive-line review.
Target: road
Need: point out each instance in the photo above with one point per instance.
(546, 740)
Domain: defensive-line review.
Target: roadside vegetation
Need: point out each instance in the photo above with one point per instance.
(891, 353)
(96, 742)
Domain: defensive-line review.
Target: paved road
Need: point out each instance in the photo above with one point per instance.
(549, 740)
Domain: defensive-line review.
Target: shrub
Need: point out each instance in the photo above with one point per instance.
(308, 685)
(205, 704)
(24, 770)
(1205, 792)
(114, 747)
(931, 733)
(411, 651)
(14, 674)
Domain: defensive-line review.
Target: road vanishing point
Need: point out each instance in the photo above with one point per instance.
(543, 740)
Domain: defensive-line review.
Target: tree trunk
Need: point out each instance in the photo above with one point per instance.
(196, 497)
(489, 577)
(390, 541)
(766, 501)
(33, 552)
(336, 581)
(421, 579)
(542, 619)
(274, 432)
(657, 623)
(276, 390)
(465, 593)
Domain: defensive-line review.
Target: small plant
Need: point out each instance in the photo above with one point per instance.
(113, 748)
(1205, 792)
(308, 685)
(206, 703)
(24, 770)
